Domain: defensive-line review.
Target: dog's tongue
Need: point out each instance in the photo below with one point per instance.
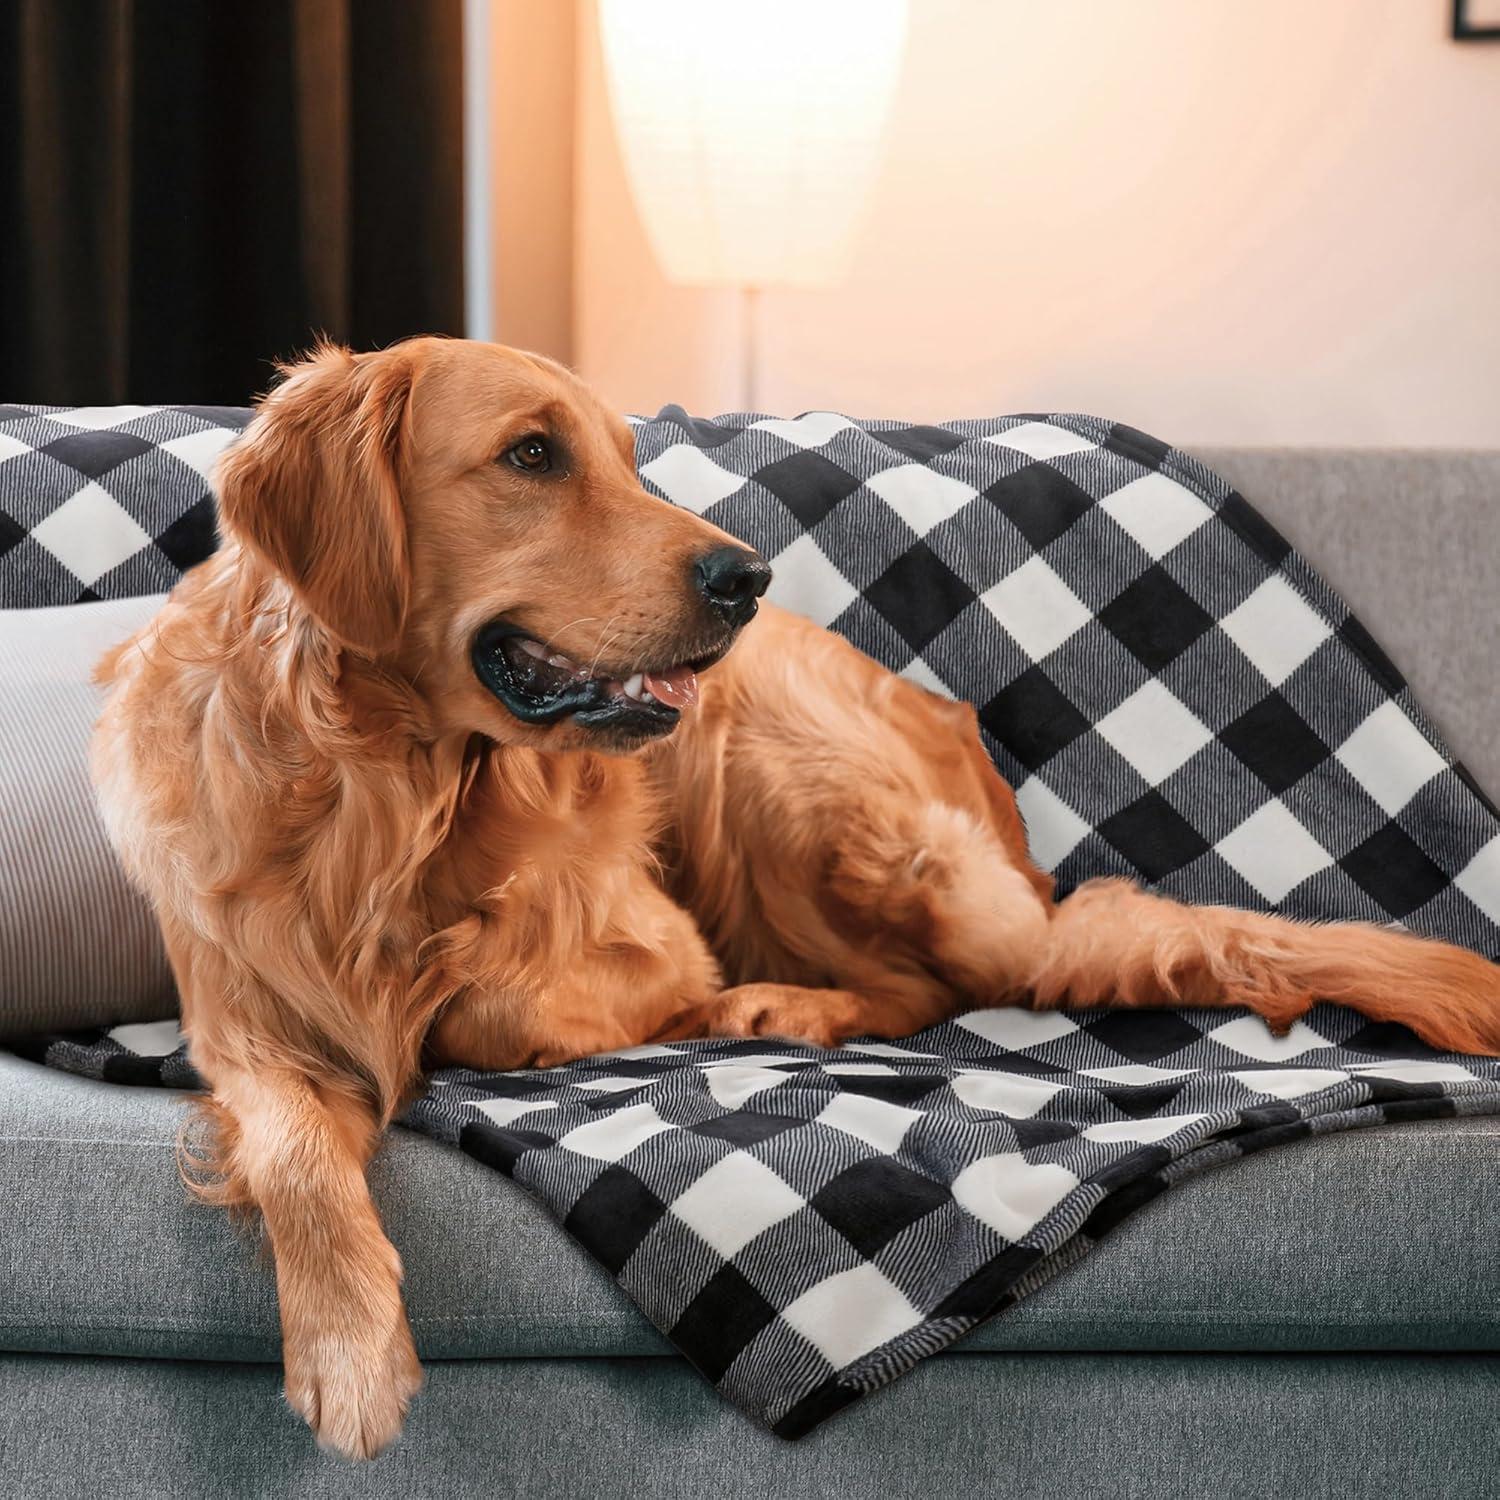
(677, 688)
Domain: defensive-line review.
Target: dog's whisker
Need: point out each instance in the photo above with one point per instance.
(551, 641)
(603, 644)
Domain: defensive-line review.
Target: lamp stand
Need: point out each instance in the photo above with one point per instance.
(750, 348)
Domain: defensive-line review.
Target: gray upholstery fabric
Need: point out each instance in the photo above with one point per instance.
(1376, 1239)
(1300, 1427)
(78, 945)
(1408, 537)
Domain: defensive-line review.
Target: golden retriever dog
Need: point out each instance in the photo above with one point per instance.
(445, 758)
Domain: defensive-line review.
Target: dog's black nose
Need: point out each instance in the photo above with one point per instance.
(731, 579)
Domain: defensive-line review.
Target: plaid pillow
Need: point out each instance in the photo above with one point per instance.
(105, 502)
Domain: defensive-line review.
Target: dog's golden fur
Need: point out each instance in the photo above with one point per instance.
(364, 865)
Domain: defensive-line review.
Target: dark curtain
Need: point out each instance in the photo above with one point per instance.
(192, 188)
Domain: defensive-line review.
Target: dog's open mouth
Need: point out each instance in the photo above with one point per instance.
(540, 686)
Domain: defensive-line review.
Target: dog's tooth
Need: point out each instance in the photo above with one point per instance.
(647, 696)
(534, 648)
(633, 686)
(561, 661)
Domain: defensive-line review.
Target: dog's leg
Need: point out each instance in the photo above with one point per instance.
(298, 1150)
(1112, 944)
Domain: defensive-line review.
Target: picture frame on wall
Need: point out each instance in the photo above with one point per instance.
(1476, 20)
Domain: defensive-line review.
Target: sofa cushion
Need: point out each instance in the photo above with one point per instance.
(78, 944)
(1371, 1239)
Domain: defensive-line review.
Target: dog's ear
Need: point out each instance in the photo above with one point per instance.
(313, 489)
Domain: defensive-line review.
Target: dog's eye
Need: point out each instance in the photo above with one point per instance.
(531, 455)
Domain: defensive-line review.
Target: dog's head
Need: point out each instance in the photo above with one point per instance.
(470, 516)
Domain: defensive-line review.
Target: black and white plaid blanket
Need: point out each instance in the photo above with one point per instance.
(1174, 694)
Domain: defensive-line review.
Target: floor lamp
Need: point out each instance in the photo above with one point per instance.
(751, 135)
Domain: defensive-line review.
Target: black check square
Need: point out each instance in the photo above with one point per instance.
(1153, 836)
(613, 1216)
(893, 1089)
(1155, 619)
(95, 454)
(1141, 1101)
(1395, 870)
(746, 1127)
(720, 1321)
(1040, 502)
(922, 444)
(871, 1202)
(1033, 718)
(1273, 740)
(808, 484)
(1033, 1135)
(193, 536)
(920, 595)
(1144, 1036)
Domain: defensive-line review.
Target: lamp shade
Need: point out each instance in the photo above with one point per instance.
(751, 133)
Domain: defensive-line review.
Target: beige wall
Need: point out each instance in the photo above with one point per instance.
(1227, 221)
(531, 70)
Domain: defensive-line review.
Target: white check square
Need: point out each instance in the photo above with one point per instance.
(1011, 1094)
(1156, 511)
(1251, 1036)
(1041, 440)
(1276, 629)
(1418, 1070)
(614, 1136)
(1136, 1073)
(735, 1200)
(200, 450)
(876, 1122)
(1036, 608)
(97, 418)
(805, 582)
(508, 1111)
(1479, 880)
(1154, 731)
(688, 477)
(1273, 851)
(811, 430)
(149, 1038)
(1053, 829)
(1015, 1028)
(921, 496)
(731, 1086)
(1390, 757)
(1152, 1128)
(1290, 1083)
(1011, 1194)
(90, 533)
(850, 1314)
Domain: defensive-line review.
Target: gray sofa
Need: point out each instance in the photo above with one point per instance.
(1321, 1319)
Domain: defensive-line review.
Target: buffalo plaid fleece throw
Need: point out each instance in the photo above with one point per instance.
(1175, 696)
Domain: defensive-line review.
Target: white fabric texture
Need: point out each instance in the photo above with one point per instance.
(78, 945)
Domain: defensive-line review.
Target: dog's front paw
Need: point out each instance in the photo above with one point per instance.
(353, 1380)
(820, 1018)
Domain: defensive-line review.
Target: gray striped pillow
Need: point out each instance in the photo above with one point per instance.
(78, 944)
